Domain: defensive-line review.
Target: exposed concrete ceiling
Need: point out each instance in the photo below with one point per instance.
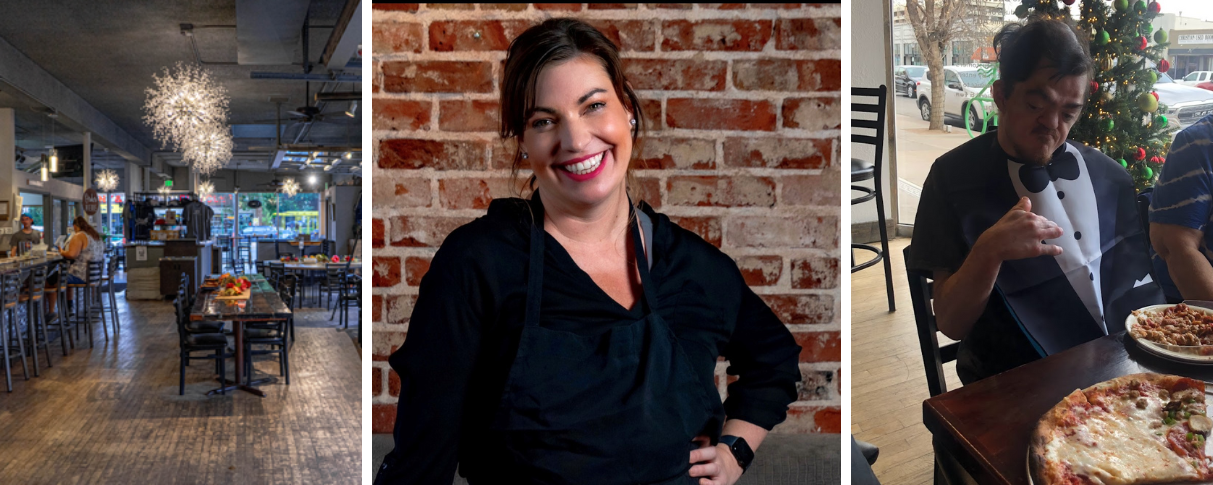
(107, 51)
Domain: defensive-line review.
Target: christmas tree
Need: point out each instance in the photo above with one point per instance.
(1122, 118)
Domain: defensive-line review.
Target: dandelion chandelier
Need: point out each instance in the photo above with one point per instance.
(209, 149)
(290, 187)
(183, 101)
(107, 180)
(205, 189)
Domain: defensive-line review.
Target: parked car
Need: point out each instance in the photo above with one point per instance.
(961, 85)
(1206, 85)
(1196, 77)
(906, 79)
(260, 231)
(1183, 105)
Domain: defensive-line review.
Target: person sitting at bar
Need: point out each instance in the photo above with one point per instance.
(82, 247)
(1034, 241)
(26, 234)
(1180, 210)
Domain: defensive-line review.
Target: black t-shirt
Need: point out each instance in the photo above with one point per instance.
(996, 343)
(465, 327)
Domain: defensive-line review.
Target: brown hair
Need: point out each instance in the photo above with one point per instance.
(553, 41)
(86, 228)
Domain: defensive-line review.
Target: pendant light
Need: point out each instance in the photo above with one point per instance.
(54, 152)
(42, 161)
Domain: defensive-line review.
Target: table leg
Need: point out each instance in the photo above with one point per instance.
(242, 384)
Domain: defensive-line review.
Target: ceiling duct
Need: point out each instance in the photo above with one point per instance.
(339, 96)
(269, 32)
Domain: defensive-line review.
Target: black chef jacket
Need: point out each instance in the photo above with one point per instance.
(465, 327)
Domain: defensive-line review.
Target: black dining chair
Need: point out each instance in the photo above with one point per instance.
(59, 288)
(862, 169)
(88, 302)
(191, 342)
(35, 318)
(271, 336)
(10, 335)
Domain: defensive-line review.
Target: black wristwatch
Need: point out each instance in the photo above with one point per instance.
(741, 450)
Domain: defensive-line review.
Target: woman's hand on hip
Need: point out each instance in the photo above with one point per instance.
(714, 465)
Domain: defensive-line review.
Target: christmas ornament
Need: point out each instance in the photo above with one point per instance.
(1163, 65)
(1155, 94)
(1142, 43)
(1139, 7)
(1160, 36)
(1094, 87)
(1147, 172)
(1155, 8)
(1121, 5)
(1021, 11)
(1108, 124)
(1161, 119)
(1123, 163)
(1140, 155)
(1068, 2)
(1153, 77)
(1103, 38)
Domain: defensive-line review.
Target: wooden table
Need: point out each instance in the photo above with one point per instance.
(299, 266)
(986, 425)
(263, 305)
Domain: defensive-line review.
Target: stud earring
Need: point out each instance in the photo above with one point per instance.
(633, 121)
(524, 155)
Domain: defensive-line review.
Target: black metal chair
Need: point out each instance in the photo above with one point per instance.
(110, 293)
(274, 270)
(947, 469)
(225, 252)
(244, 253)
(84, 306)
(35, 319)
(59, 288)
(862, 170)
(10, 292)
(271, 335)
(190, 342)
(260, 265)
(334, 283)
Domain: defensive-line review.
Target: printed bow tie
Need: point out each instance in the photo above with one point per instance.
(1035, 178)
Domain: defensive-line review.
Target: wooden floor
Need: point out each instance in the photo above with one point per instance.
(112, 414)
(888, 383)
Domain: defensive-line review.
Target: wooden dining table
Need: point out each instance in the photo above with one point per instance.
(263, 305)
(986, 425)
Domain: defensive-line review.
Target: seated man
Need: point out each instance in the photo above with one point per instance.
(1034, 241)
(1179, 212)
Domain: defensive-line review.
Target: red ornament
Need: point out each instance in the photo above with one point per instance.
(1163, 65)
(1161, 160)
(1154, 7)
(1155, 93)
(1140, 155)
(1143, 43)
(1068, 2)
(1094, 86)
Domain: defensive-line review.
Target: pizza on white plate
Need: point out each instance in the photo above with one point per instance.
(1136, 429)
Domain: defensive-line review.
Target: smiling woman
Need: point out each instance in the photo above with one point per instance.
(555, 306)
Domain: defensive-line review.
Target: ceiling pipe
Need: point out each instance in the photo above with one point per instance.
(339, 96)
(292, 76)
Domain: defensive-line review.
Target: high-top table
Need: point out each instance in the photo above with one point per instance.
(263, 305)
(986, 425)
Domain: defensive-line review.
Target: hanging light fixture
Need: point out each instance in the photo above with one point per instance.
(45, 176)
(353, 110)
(348, 155)
(107, 180)
(182, 102)
(290, 187)
(164, 190)
(209, 149)
(205, 188)
(54, 152)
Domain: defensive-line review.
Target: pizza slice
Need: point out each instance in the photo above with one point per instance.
(1137, 429)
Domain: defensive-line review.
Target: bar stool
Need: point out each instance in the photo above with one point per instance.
(60, 291)
(34, 317)
(864, 170)
(111, 268)
(244, 252)
(10, 292)
(89, 291)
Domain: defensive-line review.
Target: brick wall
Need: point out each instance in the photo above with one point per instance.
(743, 108)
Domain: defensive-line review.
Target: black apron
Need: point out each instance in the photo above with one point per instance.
(620, 406)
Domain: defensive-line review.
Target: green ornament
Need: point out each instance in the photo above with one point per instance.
(1108, 124)
(1153, 77)
(1121, 5)
(1021, 11)
(1123, 163)
(1103, 37)
(1147, 102)
(1161, 120)
(1148, 172)
(1139, 7)
(1160, 36)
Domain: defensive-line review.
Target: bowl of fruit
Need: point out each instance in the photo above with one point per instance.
(233, 288)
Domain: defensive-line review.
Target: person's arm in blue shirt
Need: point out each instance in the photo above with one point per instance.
(1180, 211)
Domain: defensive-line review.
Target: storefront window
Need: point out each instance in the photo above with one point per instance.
(257, 221)
(111, 217)
(299, 215)
(223, 223)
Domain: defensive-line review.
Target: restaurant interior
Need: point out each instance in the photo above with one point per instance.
(215, 148)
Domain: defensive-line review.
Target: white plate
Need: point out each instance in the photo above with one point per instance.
(1185, 354)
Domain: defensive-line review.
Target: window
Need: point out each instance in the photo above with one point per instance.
(1191, 77)
(949, 78)
(224, 221)
(111, 216)
(298, 215)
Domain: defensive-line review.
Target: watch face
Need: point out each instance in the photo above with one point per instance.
(742, 452)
